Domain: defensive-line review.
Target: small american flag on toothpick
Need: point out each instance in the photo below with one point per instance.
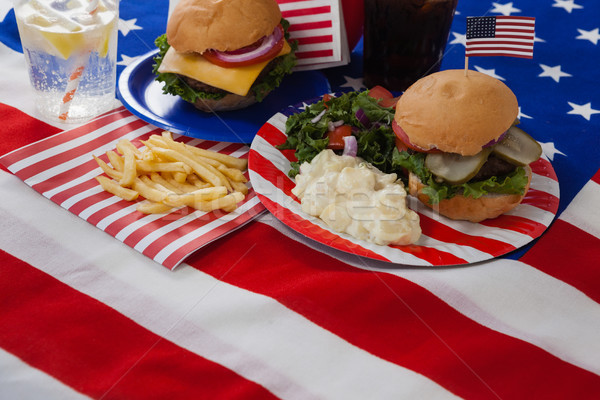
(500, 36)
(510, 36)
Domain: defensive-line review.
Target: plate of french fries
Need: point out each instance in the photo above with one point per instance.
(170, 175)
(163, 194)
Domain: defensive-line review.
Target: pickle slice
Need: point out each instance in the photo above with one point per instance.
(454, 168)
(518, 148)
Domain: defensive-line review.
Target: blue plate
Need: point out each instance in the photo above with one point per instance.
(143, 96)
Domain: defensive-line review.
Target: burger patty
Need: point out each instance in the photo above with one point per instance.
(494, 166)
(203, 87)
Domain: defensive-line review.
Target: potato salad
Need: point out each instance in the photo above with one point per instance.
(351, 196)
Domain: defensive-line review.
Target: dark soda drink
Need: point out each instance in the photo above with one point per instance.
(404, 40)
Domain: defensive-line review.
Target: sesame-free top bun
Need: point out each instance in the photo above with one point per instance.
(456, 113)
(224, 25)
(460, 207)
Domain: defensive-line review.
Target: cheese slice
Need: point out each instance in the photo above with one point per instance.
(236, 80)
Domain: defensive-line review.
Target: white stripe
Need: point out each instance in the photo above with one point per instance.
(81, 196)
(251, 334)
(509, 28)
(301, 5)
(311, 33)
(20, 380)
(69, 184)
(88, 212)
(584, 212)
(515, 40)
(109, 219)
(516, 46)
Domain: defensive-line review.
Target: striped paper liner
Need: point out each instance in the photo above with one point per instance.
(443, 242)
(318, 27)
(62, 169)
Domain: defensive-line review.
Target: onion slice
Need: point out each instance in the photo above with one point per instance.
(494, 141)
(350, 146)
(261, 48)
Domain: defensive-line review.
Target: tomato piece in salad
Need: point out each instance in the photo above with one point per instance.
(212, 55)
(336, 137)
(385, 97)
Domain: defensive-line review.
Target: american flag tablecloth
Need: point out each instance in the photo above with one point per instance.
(265, 313)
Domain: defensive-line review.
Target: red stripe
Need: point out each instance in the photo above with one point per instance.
(569, 254)
(116, 226)
(399, 322)
(439, 231)
(475, 45)
(314, 39)
(302, 26)
(269, 172)
(500, 49)
(305, 11)
(540, 199)
(89, 201)
(314, 54)
(544, 168)
(596, 177)
(30, 130)
(55, 140)
(516, 224)
(275, 137)
(99, 215)
(47, 324)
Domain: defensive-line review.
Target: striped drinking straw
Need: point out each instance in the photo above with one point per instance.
(76, 75)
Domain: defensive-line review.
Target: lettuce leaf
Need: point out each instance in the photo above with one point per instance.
(513, 183)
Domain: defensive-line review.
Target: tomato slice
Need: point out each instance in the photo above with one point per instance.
(385, 97)
(211, 55)
(403, 142)
(336, 137)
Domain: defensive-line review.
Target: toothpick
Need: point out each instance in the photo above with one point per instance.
(466, 65)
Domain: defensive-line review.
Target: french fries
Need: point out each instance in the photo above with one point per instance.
(170, 175)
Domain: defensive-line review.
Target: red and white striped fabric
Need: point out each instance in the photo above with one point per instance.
(317, 25)
(266, 313)
(62, 169)
(444, 242)
(88, 318)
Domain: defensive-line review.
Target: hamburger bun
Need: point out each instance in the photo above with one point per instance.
(456, 113)
(223, 25)
(468, 208)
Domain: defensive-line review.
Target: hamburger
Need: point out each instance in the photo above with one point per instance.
(224, 55)
(457, 137)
